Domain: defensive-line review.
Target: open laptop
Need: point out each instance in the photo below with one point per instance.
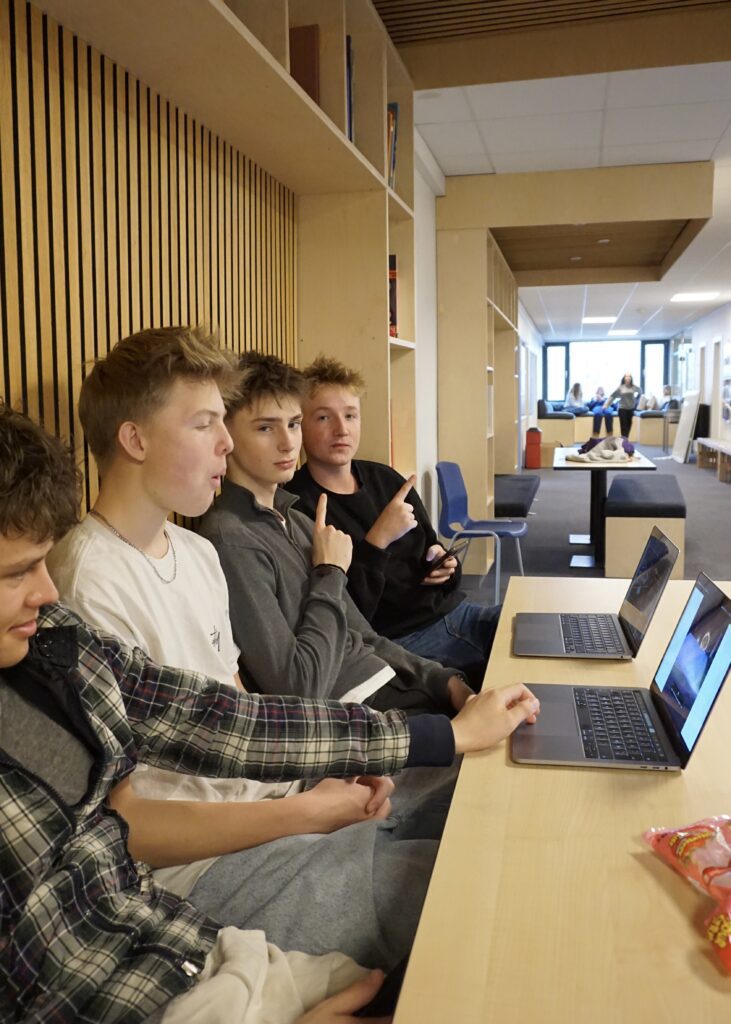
(630, 727)
(596, 635)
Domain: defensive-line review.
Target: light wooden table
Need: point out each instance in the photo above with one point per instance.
(597, 497)
(545, 906)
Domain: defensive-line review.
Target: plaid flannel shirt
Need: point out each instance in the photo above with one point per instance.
(85, 936)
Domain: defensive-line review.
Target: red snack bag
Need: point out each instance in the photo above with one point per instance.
(701, 852)
(718, 933)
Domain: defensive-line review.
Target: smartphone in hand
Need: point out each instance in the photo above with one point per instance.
(452, 552)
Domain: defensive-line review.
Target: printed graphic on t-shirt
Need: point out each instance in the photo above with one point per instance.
(215, 635)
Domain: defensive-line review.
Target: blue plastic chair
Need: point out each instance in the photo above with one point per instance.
(455, 521)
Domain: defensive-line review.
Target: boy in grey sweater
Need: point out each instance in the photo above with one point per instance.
(296, 626)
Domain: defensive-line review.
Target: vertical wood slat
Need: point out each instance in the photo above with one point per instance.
(11, 250)
(43, 294)
(143, 210)
(120, 212)
(24, 223)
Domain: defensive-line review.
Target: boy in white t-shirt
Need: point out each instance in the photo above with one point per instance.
(320, 870)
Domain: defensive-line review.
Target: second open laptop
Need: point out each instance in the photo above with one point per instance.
(597, 635)
(639, 727)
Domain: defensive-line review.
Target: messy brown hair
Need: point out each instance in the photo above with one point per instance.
(264, 376)
(326, 370)
(39, 480)
(136, 376)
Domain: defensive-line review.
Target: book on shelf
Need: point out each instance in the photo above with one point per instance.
(392, 296)
(392, 136)
(349, 113)
(304, 58)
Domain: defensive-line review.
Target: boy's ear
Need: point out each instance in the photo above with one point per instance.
(131, 441)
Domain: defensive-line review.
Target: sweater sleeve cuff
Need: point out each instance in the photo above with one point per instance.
(369, 554)
(432, 741)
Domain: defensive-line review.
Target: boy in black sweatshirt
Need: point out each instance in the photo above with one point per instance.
(394, 542)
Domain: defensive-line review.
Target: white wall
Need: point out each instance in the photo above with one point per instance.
(533, 340)
(714, 327)
(428, 184)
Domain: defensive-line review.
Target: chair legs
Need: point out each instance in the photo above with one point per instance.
(498, 556)
(497, 567)
(520, 555)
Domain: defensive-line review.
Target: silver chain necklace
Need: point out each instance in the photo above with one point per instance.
(150, 561)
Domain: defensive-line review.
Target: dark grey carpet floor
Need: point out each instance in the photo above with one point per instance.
(562, 507)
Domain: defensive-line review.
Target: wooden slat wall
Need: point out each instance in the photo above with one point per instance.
(119, 212)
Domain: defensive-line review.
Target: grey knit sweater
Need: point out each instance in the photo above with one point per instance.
(296, 627)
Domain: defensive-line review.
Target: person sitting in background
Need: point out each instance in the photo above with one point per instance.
(575, 400)
(628, 394)
(596, 405)
(668, 402)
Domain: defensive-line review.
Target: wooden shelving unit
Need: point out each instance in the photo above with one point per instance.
(227, 64)
(478, 382)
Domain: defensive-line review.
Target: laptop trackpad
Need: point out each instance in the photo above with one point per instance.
(537, 634)
(555, 735)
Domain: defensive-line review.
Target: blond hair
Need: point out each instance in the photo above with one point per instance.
(326, 370)
(136, 376)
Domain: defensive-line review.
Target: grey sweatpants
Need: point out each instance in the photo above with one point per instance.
(358, 891)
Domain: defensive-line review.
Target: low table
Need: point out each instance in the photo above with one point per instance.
(715, 455)
(598, 494)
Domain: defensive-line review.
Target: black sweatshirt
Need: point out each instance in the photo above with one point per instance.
(385, 585)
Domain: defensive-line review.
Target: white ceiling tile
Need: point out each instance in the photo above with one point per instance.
(544, 96)
(657, 153)
(653, 116)
(458, 139)
(722, 152)
(552, 131)
(608, 300)
(458, 165)
(692, 83)
(677, 123)
(546, 160)
(439, 106)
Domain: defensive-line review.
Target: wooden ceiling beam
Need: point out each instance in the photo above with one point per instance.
(597, 195)
(689, 35)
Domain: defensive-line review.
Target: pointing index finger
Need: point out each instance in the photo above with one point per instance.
(406, 487)
(321, 511)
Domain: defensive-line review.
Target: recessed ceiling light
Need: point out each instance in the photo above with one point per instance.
(598, 319)
(626, 333)
(575, 259)
(602, 241)
(694, 296)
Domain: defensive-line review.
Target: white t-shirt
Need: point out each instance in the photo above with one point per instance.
(114, 588)
(184, 623)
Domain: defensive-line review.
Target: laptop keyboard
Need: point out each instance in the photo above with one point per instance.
(615, 726)
(591, 634)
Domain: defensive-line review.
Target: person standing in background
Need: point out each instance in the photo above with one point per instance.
(627, 394)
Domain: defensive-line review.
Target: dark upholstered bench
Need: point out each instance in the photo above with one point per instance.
(514, 494)
(636, 503)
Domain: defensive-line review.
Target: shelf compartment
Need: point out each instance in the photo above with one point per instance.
(245, 94)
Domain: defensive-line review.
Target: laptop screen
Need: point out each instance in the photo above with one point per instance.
(646, 587)
(694, 666)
